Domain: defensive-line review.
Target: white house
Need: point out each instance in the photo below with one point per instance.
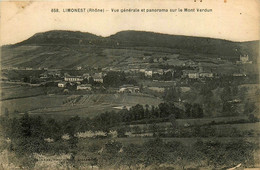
(73, 78)
(205, 74)
(62, 84)
(148, 73)
(84, 87)
(244, 60)
(98, 77)
(193, 75)
(238, 74)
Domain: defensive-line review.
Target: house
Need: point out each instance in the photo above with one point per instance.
(158, 71)
(193, 75)
(128, 88)
(54, 73)
(62, 84)
(98, 77)
(84, 87)
(155, 60)
(73, 78)
(148, 73)
(184, 89)
(238, 74)
(244, 60)
(44, 75)
(206, 74)
(142, 70)
(157, 89)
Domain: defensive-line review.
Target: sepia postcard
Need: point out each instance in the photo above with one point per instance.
(129, 85)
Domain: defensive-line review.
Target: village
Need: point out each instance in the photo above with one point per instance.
(90, 79)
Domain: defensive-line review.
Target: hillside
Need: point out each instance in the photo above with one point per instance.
(60, 38)
(192, 44)
(67, 49)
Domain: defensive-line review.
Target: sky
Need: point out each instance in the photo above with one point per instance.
(235, 20)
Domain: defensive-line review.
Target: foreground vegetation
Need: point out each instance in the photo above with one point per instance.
(36, 141)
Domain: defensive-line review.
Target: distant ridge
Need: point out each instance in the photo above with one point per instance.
(131, 38)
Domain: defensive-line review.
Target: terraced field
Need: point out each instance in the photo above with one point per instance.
(83, 105)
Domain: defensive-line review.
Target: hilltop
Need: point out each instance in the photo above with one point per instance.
(74, 48)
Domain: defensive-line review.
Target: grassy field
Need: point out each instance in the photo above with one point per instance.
(185, 141)
(18, 91)
(70, 105)
(31, 103)
(91, 105)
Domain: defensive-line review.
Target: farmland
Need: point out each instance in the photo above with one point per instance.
(22, 99)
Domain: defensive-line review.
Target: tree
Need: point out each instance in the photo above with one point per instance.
(25, 123)
(229, 109)
(26, 79)
(173, 121)
(91, 81)
(137, 111)
(53, 129)
(188, 108)
(146, 112)
(121, 132)
(249, 107)
(252, 118)
(197, 111)
(85, 81)
(226, 94)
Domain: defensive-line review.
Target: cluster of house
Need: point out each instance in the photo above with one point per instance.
(79, 86)
(195, 74)
(50, 73)
(68, 79)
(97, 77)
(151, 72)
(128, 88)
(200, 73)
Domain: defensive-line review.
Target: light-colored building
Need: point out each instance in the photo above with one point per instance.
(205, 74)
(157, 89)
(193, 75)
(62, 84)
(148, 73)
(73, 78)
(158, 71)
(142, 70)
(239, 75)
(84, 87)
(44, 75)
(128, 88)
(244, 60)
(98, 77)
